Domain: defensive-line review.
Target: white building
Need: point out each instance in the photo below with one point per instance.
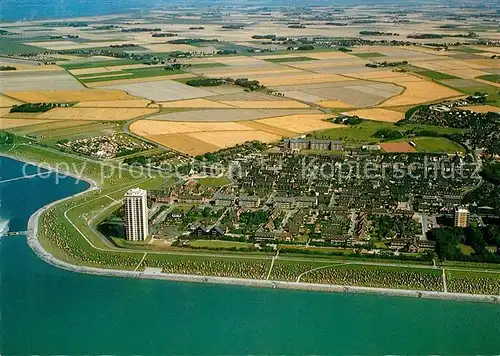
(136, 214)
(461, 216)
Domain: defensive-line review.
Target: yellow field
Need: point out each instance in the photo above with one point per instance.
(267, 104)
(96, 114)
(301, 123)
(383, 115)
(4, 111)
(485, 63)
(462, 69)
(135, 103)
(195, 138)
(481, 108)
(270, 129)
(224, 139)
(309, 78)
(155, 127)
(194, 103)
(183, 143)
(68, 96)
(333, 104)
(21, 67)
(417, 90)
(140, 80)
(11, 123)
(7, 102)
(420, 92)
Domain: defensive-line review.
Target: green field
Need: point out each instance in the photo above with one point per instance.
(127, 74)
(436, 75)
(363, 133)
(97, 64)
(208, 65)
(12, 46)
(492, 91)
(468, 50)
(368, 54)
(291, 59)
(494, 78)
(436, 145)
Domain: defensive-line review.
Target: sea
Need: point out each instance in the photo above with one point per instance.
(46, 310)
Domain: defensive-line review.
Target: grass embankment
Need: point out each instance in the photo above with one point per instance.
(359, 275)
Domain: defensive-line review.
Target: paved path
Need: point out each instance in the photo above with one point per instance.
(142, 260)
(445, 288)
(272, 264)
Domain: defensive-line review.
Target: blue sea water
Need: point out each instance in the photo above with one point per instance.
(45, 310)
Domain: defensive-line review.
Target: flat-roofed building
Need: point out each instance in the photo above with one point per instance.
(136, 214)
(461, 216)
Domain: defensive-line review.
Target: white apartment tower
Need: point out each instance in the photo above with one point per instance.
(136, 214)
(461, 216)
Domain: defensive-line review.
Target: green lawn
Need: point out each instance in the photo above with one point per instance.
(368, 54)
(291, 59)
(436, 145)
(436, 75)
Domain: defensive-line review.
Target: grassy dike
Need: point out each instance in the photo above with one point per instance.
(67, 231)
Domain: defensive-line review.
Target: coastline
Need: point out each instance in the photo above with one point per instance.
(37, 248)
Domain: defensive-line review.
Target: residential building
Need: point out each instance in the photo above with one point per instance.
(136, 214)
(208, 231)
(461, 216)
(283, 202)
(224, 199)
(305, 202)
(249, 201)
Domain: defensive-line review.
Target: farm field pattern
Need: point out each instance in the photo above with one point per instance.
(303, 89)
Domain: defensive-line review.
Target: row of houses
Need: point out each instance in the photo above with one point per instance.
(276, 202)
(315, 145)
